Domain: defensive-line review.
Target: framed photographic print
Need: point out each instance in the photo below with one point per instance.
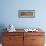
(26, 13)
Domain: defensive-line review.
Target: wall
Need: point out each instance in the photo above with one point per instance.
(9, 13)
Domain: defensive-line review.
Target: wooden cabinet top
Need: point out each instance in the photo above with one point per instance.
(23, 33)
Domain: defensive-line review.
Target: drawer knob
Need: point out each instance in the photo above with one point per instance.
(11, 38)
(33, 39)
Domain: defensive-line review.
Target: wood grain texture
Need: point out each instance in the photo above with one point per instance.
(34, 39)
(23, 39)
(12, 39)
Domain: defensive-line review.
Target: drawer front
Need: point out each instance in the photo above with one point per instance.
(34, 33)
(12, 44)
(37, 39)
(34, 39)
(13, 41)
(13, 33)
(37, 45)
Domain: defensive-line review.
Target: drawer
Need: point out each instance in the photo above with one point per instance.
(34, 39)
(12, 39)
(34, 33)
(13, 33)
(14, 44)
(37, 44)
(37, 39)
(8, 45)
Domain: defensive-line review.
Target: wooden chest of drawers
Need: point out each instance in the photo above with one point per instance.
(23, 39)
(34, 39)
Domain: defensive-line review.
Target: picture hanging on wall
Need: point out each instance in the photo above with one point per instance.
(26, 13)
